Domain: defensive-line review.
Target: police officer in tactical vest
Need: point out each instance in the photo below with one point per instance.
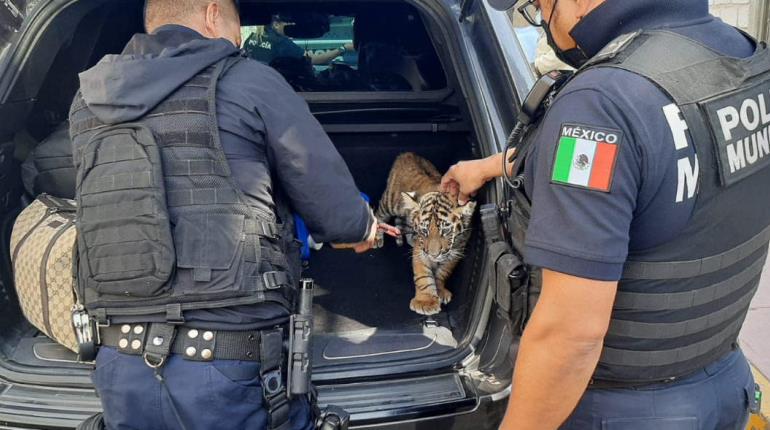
(188, 159)
(643, 194)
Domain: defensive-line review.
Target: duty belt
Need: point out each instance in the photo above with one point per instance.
(156, 341)
(190, 343)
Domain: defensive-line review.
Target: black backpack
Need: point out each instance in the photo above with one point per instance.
(49, 168)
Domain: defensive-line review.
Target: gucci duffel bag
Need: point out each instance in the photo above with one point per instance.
(42, 251)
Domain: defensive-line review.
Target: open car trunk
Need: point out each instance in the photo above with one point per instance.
(362, 315)
(361, 306)
(362, 301)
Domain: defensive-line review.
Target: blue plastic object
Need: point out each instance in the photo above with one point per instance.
(303, 234)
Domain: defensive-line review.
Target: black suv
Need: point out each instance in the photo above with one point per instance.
(441, 78)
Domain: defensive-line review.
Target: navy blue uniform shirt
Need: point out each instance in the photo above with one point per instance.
(271, 45)
(257, 109)
(268, 134)
(578, 227)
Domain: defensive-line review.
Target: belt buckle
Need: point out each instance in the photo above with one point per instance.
(270, 280)
(151, 364)
(269, 230)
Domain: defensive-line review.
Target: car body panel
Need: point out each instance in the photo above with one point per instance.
(494, 74)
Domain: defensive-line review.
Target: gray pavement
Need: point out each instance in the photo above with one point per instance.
(755, 336)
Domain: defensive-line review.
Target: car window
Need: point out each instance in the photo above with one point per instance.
(13, 16)
(305, 49)
(534, 44)
(526, 34)
(258, 39)
(340, 34)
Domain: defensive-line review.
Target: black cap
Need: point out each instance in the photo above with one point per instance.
(502, 4)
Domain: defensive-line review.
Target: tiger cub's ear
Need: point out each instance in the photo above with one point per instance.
(410, 201)
(466, 211)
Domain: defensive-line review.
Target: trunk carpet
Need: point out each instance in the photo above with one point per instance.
(358, 292)
(361, 301)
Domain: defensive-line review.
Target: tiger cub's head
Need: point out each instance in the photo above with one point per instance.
(441, 226)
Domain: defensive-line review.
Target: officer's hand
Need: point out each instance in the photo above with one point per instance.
(464, 179)
(349, 47)
(369, 243)
(371, 240)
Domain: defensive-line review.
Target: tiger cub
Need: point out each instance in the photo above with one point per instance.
(440, 227)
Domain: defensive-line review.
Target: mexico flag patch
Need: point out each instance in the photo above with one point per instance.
(586, 156)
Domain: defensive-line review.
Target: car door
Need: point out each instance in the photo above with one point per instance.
(12, 14)
(15, 15)
(508, 69)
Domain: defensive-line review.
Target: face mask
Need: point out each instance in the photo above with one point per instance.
(574, 57)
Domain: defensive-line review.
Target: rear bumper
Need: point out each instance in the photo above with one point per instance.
(35, 406)
(432, 402)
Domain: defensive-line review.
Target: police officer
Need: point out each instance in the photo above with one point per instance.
(188, 158)
(647, 179)
(273, 43)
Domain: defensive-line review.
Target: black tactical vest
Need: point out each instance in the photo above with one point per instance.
(162, 226)
(680, 306)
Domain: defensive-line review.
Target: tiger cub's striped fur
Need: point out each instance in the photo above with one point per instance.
(440, 227)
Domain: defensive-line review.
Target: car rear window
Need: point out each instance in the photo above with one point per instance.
(386, 47)
(13, 16)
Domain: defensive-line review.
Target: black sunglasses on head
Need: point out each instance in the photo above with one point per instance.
(530, 12)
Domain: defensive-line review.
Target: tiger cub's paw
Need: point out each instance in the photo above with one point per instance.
(445, 296)
(426, 305)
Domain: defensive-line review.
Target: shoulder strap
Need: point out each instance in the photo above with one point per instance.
(691, 71)
(693, 76)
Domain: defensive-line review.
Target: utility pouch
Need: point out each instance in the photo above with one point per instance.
(511, 286)
(508, 271)
(490, 224)
(516, 273)
(274, 392)
(526, 279)
(125, 245)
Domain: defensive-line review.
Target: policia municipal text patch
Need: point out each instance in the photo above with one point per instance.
(740, 124)
(586, 156)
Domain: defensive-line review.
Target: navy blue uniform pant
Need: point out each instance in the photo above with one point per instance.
(716, 397)
(221, 394)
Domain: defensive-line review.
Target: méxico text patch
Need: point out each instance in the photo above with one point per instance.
(585, 157)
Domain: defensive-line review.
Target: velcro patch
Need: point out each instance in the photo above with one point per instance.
(740, 125)
(585, 157)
